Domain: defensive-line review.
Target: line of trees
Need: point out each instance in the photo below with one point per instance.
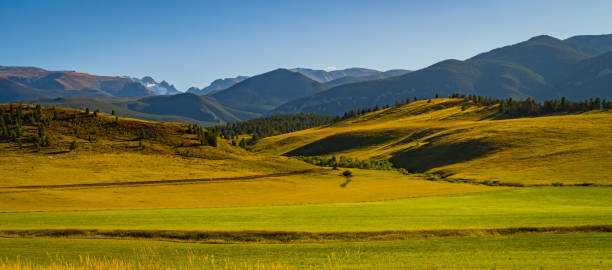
(347, 162)
(271, 125)
(507, 107)
(530, 107)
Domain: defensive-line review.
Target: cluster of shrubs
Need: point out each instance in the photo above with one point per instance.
(347, 162)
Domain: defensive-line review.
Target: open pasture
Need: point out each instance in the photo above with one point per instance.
(546, 206)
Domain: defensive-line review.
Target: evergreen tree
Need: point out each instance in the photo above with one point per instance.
(38, 113)
(212, 139)
(3, 127)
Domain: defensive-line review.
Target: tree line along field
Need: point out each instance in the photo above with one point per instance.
(135, 194)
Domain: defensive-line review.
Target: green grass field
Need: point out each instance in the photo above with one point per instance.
(539, 251)
(546, 206)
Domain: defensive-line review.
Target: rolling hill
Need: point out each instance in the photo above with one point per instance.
(70, 84)
(456, 139)
(265, 92)
(11, 91)
(184, 108)
(541, 67)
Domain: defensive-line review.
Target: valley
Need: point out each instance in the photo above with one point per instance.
(286, 135)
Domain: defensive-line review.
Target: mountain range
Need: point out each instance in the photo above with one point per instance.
(23, 80)
(217, 84)
(328, 78)
(542, 67)
(323, 76)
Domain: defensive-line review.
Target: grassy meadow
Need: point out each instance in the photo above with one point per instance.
(326, 186)
(136, 194)
(550, 206)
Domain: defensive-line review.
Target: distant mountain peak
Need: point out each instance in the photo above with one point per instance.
(544, 38)
(148, 79)
(266, 91)
(218, 84)
(161, 88)
(193, 90)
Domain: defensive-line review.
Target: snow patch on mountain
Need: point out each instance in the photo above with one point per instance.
(161, 88)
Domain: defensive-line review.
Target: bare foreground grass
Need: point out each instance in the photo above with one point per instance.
(534, 251)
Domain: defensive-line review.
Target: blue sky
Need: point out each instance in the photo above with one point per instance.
(191, 43)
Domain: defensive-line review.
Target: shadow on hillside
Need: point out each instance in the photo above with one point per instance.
(342, 142)
(434, 155)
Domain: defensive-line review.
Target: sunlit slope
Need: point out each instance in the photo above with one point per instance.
(122, 150)
(460, 140)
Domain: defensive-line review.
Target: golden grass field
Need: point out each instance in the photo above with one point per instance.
(317, 187)
(467, 144)
(114, 157)
(83, 166)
